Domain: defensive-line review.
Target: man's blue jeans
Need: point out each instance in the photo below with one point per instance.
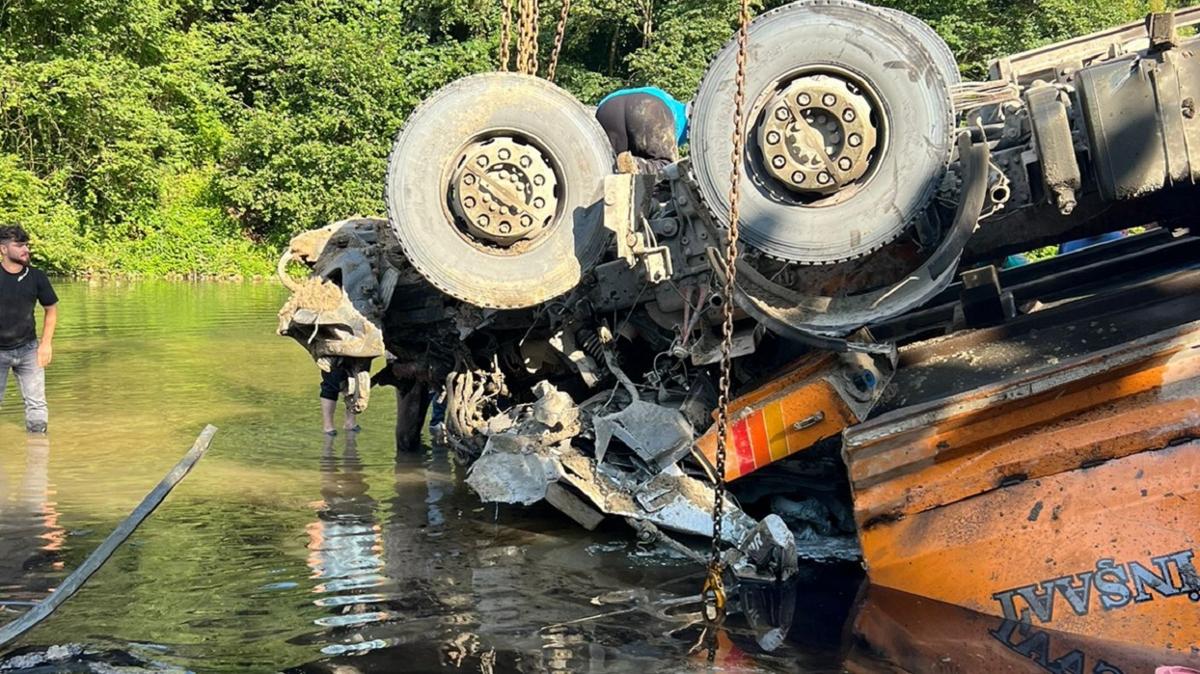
(31, 379)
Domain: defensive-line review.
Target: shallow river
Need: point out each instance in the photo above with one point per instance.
(286, 550)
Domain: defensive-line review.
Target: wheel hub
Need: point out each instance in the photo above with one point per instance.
(817, 135)
(504, 191)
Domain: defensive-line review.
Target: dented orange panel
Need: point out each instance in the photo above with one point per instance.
(1067, 499)
(790, 413)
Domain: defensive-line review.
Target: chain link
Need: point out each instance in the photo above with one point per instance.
(558, 39)
(731, 252)
(527, 45)
(505, 33)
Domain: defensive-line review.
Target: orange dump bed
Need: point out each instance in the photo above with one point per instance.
(1047, 475)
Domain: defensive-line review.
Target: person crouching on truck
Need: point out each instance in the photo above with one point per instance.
(22, 285)
(646, 127)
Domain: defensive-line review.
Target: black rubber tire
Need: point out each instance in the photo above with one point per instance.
(946, 63)
(421, 163)
(883, 50)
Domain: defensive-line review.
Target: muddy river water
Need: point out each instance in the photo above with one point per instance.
(287, 550)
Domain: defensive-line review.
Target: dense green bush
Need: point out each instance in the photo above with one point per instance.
(196, 136)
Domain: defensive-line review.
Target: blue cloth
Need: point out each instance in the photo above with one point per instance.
(1012, 261)
(678, 110)
(1080, 244)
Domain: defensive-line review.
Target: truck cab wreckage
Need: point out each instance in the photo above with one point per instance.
(1022, 442)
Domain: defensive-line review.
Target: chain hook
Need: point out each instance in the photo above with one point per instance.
(714, 585)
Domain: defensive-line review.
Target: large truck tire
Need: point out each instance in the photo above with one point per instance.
(492, 186)
(886, 80)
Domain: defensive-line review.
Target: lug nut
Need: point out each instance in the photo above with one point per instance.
(781, 113)
(526, 162)
(848, 115)
(804, 99)
(844, 163)
(482, 160)
(778, 161)
(823, 178)
(829, 100)
(798, 177)
(504, 153)
(526, 221)
(539, 202)
(469, 202)
(539, 180)
(773, 137)
(855, 140)
(483, 221)
(505, 228)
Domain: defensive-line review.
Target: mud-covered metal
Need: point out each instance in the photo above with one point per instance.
(504, 190)
(336, 311)
(575, 353)
(1064, 497)
(818, 135)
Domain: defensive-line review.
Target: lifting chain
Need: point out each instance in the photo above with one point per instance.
(505, 33)
(558, 39)
(527, 40)
(714, 586)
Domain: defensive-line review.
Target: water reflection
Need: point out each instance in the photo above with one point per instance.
(923, 635)
(334, 554)
(344, 542)
(31, 539)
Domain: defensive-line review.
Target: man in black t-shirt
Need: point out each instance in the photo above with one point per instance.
(20, 351)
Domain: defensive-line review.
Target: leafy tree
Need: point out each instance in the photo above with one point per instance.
(196, 136)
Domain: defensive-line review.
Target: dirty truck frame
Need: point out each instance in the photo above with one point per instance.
(1018, 441)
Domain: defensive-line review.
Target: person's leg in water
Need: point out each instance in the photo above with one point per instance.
(6, 363)
(641, 128)
(412, 404)
(333, 384)
(31, 381)
(31, 378)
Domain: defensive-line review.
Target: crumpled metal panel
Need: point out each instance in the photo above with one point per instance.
(660, 436)
(335, 312)
(507, 473)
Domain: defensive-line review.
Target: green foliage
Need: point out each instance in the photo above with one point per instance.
(197, 136)
(36, 202)
(981, 30)
(325, 91)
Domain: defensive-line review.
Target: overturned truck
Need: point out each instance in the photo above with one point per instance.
(989, 436)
